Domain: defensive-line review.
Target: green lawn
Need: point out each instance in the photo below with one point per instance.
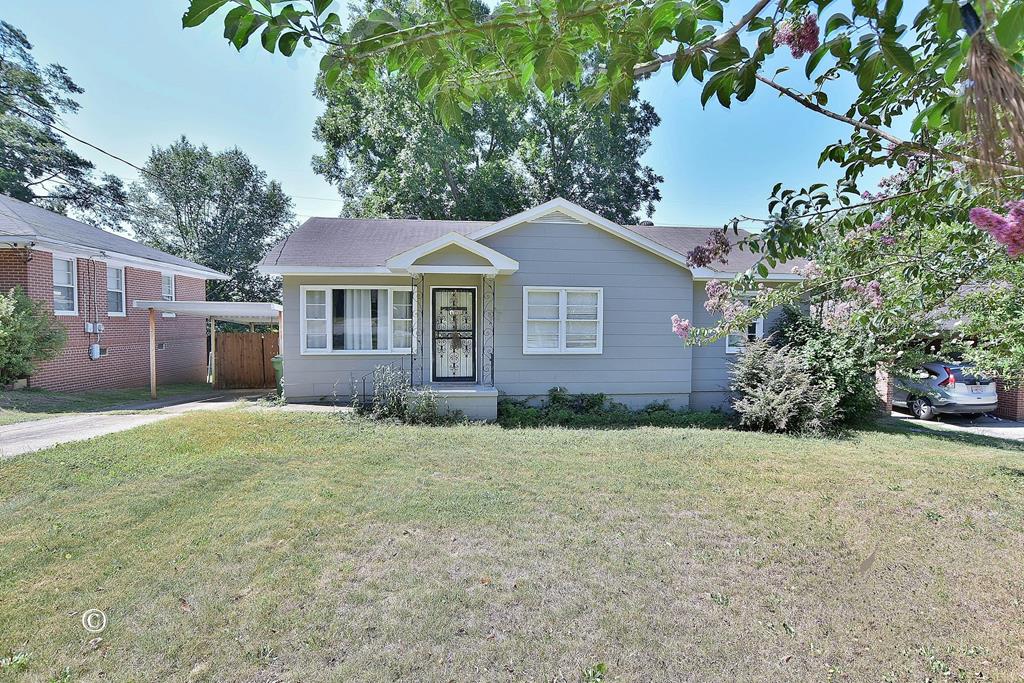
(258, 545)
(36, 404)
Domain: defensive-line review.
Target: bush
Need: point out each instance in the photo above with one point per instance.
(563, 409)
(29, 334)
(777, 392)
(842, 363)
(393, 400)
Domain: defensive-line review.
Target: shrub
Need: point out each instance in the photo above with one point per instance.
(563, 409)
(393, 400)
(777, 392)
(29, 334)
(842, 363)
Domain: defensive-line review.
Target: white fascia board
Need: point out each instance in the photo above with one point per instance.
(458, 270)
(406, 259)
(560, 205)
(326, 270)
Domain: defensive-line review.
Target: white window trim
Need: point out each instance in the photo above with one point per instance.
(124, 288)
(733, 349)
(74, 280)
(174, 293)
(329, 300)
(562, 296)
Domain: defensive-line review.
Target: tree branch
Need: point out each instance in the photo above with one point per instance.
(655, 64)
(920, 148)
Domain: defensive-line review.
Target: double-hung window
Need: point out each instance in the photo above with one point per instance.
(357, 319)
(65, 286)
(167, 287)
(735, 341)
(115, 291)
(563, 320)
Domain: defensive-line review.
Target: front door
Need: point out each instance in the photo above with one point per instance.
(454, 334)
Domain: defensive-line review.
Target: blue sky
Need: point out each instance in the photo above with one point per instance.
(147, 81)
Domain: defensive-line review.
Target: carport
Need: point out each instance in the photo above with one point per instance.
(244, 312)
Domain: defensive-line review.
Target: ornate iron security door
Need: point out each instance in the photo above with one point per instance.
(454, 335)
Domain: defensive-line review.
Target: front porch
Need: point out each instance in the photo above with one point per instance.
(475, 401)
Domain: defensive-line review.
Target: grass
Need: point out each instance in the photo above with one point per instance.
(246, 545)
(35, 404)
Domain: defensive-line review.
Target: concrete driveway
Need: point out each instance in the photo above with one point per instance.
(984, 425)
(25, 437)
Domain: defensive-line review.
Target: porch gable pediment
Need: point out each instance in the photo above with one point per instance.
(452, 253)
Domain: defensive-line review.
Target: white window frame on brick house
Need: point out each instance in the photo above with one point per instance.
(163, 291)
(55, 256)
(124, 287)
(563, 321)
(328, 321)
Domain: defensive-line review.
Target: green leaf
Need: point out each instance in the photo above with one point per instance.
(952, 74)
(699, 65)
(686, 29)
(680, 65)
(199, 11)
(897, 55)
(270, 35)
(836, 21)
(868, 71)
(319, 6)
(288, 42)
(710, 11)
(815, 58)
(949, 21)
(1010, 25)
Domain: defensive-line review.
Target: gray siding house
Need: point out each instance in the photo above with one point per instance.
(553, 296)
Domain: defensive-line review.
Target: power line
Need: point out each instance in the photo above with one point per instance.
(86, 142)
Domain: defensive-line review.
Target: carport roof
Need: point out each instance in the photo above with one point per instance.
(231, 311)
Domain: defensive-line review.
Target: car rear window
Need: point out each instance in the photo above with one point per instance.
(964, 376)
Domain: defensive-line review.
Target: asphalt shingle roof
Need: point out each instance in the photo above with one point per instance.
(19, 219)
(360, 242)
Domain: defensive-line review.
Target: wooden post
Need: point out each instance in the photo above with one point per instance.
(213, 352)
(152, 353)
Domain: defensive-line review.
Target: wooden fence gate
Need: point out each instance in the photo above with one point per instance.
(242, 360)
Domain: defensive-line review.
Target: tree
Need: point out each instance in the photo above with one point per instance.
(389, 155)
(36, 165)
(218, 210)
(954, 74)
(29, 334)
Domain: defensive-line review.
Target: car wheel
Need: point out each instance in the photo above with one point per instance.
(922, 409)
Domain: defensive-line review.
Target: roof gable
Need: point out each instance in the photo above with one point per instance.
(497, 261)
(561, 210)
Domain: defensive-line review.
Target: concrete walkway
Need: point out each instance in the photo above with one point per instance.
(34, 435)
(984, 425)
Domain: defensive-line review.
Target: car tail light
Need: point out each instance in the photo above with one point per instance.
(950, 381)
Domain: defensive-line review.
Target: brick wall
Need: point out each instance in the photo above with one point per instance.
(883, 389)
(1011, 402)
(126, 339)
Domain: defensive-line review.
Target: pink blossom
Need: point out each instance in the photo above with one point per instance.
(887, 240)
(718, 294)
(800, 34)
(681, 327)
(717, 247)
(1007, 230)
(811, 270)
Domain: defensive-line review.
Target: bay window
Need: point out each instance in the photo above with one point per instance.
(65, 286)
(563, 320)
(357, 320)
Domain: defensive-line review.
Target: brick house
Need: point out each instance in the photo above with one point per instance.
(89, 278)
